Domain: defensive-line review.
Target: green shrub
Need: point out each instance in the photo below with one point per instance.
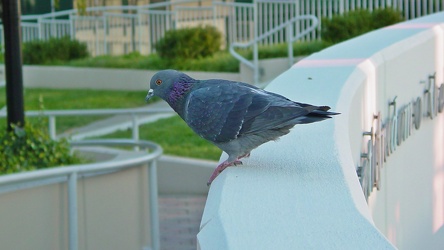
(53, 50)
(189, 43)
(386, 17)
(219, 62)
(31, 148)
(355, 23)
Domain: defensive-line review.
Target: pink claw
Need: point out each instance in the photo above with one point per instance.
(221, 168)
(245, 155)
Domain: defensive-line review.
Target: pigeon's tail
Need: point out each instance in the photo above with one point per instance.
(318, 114)
(322, 111)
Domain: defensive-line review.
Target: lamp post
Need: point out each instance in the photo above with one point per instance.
(13, 63)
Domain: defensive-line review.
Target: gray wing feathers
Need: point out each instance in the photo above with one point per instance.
(273, 118)
(216, 112)
(224, 112)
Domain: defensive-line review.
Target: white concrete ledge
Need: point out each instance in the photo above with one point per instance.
(302, 192)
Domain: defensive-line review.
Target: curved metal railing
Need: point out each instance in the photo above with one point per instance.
(134, 112)
(72, 172)
(290, 39)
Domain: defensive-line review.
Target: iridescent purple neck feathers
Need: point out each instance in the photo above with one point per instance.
(180, 88)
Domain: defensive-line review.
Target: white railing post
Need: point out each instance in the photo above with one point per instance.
(139, 30)
(176, 19)
(96, 26)
(154, 209)
(39, 22)
(105, 25)
(72, 212)
(341, 7)
(71, 27)
(53, 32)
(290, 44)
(52, 127)
(214, 13)
(255, 44)
(135, 129)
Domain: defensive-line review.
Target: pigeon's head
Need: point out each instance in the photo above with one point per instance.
(170, 85)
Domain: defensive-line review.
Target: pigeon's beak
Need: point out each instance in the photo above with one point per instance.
(149, 95)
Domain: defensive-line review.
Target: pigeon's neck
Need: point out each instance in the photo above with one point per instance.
(179, 91)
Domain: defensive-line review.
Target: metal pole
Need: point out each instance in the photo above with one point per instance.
(154, 212)
(214, 13)
(52, 127)
(96, 26)
(341, 7)
(71, 27)
(52, 20)
(255, 44)
(135, 131)
(72, 212)
(40, 29)
(13, 64)
(105, 26)
(290, 44)
(139, 30)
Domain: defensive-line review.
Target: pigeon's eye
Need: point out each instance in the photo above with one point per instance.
(158, 82)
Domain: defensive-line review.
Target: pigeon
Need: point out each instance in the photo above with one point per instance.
(236, 117)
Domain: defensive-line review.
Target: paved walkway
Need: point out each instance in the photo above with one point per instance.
(180, 220)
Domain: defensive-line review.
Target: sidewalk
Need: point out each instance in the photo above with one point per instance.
(179, 219)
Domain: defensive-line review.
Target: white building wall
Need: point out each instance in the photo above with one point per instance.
(302, 192)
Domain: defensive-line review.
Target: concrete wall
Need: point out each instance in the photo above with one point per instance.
(303, 192)
(179, 175)
(113, 214)
(269, 69)
(99, 78)
(130, 79)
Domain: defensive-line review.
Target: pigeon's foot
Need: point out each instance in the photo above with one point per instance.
(244, 156)
(235, 163)
(221, 168)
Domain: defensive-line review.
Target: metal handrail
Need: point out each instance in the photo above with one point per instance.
(71, 112)
(52, 114)
(104, 9)
(72, 172)
(48, 15)
(290, 39)
(84, 168)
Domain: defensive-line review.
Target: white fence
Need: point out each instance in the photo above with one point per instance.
(123, 29)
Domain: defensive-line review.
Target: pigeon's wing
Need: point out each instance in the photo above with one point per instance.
(278, 114)
(217, 111)
(223, 112)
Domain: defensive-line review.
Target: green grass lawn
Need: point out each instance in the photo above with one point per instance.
(175, 137)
